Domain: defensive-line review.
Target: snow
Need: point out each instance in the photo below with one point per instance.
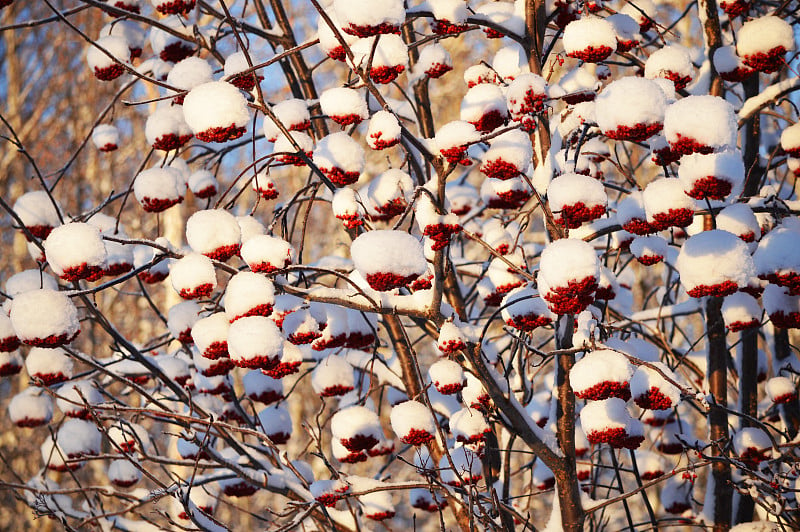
(447, 376)
(30, 407)
(77, 438)
(327, 38)
(353, 422)
(468, 425)
(709, 120)
(778, 253)
(453, 11)
(215, 104)
(265, 253)
(455, 134)
(626, 28)
(337, 154)
(576, 85)
(630, 102)
(468, 466)
(332, 376)
(388, 251)
(193, 276)
(411, 416)
(740, 220)
(591, 39)
(568, 260)
(790, 139)
(292, 113)
(599, 367)
(123, 473)
(477, 74)
(130, 31)
(662, 196)
(509, 155)
(727, 62)
(35, 209)
(727, 166)
(649, 248)
(388, 193)
(645, 379)
(609, 418)
(509, 62)
(166, 129)
(255, 342)
(671, 62)
(484, 106)
(526, 94)
(105, 137)
(391, 52)
(211, 330)
(44, 316)
(210, 231)
(501, 14)
(778, 389)
(175, 368)
(276, 423)
(642, 11)
(203, 184)
(763, 34)
(236, 63)
(73, 245)
(741, 311)
(570, 189)
(157, 189)
(711, 258)
(29, 280)
(783, 309)
(163, 42)
(182, 317)
(97, 59)
(247, 294)
(346, 104)
(751, 437)
(189, 73)
(434, 61)
(381, 12)
(384, 130)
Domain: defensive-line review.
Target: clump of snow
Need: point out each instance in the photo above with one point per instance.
(255, 342)
(105, 137)
(76, 251)
(610, 422)
(188, 74)
(357, 428)
(44, 318)
(576, 199)
(762, 42)
(180, 320)
(434, 61)
(170, 47)
(216, 112)
(525, 97)
(484, 106)
(292, 113)
(650, 390)
(602, 374)
(780, 390)
(477, 74)
(752, 444)
(389, 58)
(30, 408)
(107, 68)
(215, 233)
(340, 158)
(667, 205)
(210, 335)
(388, 194)
(790, 140)
(158, 189)
(469, 426)
(590, 39)
(123, 473)
(777, 258)
(37, 212)
(730, 66)
(266, 253)
(384, 131)
(382, 17)
(77, 397)
(672, 63)
(78, 438)
(388, 259)
(783, 309)
(193, 276)
(630, 108)
(133, 34)
(447, 376)
(740, 220)
(277, 423)
(626, 30)
(523, 309)
(509, 62)
(344, 106)
(333, 376)
(248, 294)
(568, 275)
(714, 263)
(642, 11)
(508, 156)
(203, 184)
(468, 467)
(741, 311)
(700, 124)
(453, 138)
(166, 129)
(713, 175)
